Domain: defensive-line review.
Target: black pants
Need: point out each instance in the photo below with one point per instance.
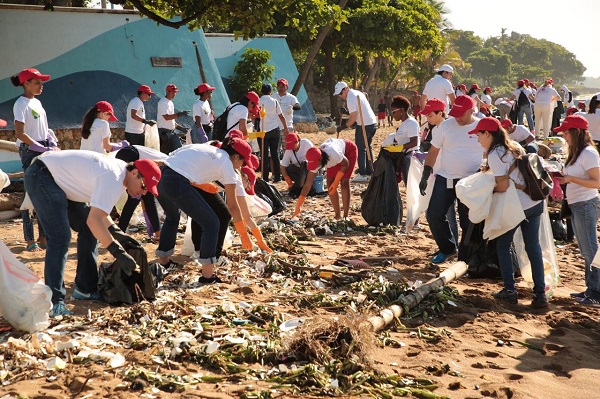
(151, 211)
(271, 147)
(169, 140)
(135, 138)
(216, 202)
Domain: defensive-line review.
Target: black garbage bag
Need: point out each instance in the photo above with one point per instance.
(271, 195)
(381, 202)
(482, 255)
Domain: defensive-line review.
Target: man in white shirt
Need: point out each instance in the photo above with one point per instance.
(136, 117)
(203, 114)
(461, 156)
(270, 125)
(77, 189)
(545, 101)
(440, 87)
(289, 103)
(364, 117)
(293, 164)
(524, 103)
(165, 118)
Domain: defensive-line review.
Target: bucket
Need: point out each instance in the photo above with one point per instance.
(318, 184)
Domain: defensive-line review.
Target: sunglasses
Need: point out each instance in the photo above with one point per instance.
(143, 182)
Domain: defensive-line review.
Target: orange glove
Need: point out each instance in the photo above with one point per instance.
(336, 182)
(210, 188)
(260, 240)
(240, 227)
(298, 205)
(289, 181)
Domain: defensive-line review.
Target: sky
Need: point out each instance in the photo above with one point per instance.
(571, 24)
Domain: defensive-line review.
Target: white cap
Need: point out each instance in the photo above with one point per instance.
(339, 86)
(445, 68)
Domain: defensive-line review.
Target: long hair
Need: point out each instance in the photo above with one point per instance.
(324, 158)
(471, 92)
(228, 147)
(502, 139)
(580, 138)
(15, 81)
(88, 120)
(593, 105)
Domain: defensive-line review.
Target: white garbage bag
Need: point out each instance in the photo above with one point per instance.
(152, 139)
(505, 213)
(475, 192)
(416, 204)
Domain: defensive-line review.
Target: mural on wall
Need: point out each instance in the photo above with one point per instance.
(95, 55)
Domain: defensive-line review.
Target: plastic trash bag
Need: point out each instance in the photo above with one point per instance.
(416, 204)
(475, 192)
(505, 214)
(551, 272)
(24, 299)
(258, 206)
(152, 139)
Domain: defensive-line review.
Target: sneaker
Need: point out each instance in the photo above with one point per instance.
(82, 296)
(588, 301)
(59, 310)
(209, 280)
(539, 302)
(577, 295)
(360, 179)
(440, 258)
(170, 264)
(509, 296)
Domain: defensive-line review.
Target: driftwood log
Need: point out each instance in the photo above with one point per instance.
(11, 201)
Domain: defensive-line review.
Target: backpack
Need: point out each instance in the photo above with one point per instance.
(523, 100)
(538, 182)
(220, 127)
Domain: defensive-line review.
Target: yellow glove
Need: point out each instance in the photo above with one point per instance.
(289, 181)
(260, 241)
(210, 188)
(336, 182)
(240, 227)
(298, 205)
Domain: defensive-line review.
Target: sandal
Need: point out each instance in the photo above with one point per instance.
(34, 247)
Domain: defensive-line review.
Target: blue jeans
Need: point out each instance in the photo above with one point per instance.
(442, 199)
(59, 215)
(530, 228)
(26, 158)
(131, 205)
(363, 168)
(525, 109)
(584, 218)
(176, 193)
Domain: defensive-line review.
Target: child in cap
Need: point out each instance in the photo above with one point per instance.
(95, 132)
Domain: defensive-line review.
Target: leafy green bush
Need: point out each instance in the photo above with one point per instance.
(250, 72)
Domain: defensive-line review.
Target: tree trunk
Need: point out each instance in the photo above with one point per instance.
(330, 82)
(314, 50)
(355, 70)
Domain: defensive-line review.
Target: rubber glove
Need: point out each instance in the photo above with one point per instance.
(240, 227)
(289, 181)
(149, 122)
(301, 200)
(125, 240)
(37, 147)
(210, 188)
(127, 263)
(182, 113)
(336, 182)
(423, 184)
(260, 241)
(122, 144)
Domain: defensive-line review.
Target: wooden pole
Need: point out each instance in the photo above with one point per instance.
(364, 131)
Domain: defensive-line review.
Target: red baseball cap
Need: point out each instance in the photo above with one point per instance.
(204, 87)
(251, 175)
(2, 123)
(435, 104)
(105, 106)
(488, 88)
(572, 122)
(462, 87)
(172, 87)
(145, 89)
(236, 134)
(243, 148)
(571, 111)
(506, 123)
(581, 105)
(488, 123)
(32, 73)
(313, 158)
(254, 162)
(475, 86)
(549, 80)
(520, 82)
(151, 173)
(291, 140)
(526, 81)
(252, 96)
(461, 105)
(283, 81)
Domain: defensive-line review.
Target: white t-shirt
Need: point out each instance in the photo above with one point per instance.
(150, 153)
(98, 132)
(486, 98)
(165, 107)
(290, 158)
(407, 129)
(461, 153)
(273, 110)
(287, 102)
(587, 160)
(500, 162)
(237, 112)
(32, 114)
(544, 95)
(87, 176)
(525, 91)
(335, 148)
(440, 88)
(131, 125)
(369, 117)
(203, 163)
(593, 124)
(521, 133)
(202, 109)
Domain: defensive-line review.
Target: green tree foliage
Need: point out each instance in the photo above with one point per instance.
(492, 66)
(466, 43)
(250, 72)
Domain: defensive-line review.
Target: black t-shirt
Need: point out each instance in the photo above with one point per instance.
(381, 107)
